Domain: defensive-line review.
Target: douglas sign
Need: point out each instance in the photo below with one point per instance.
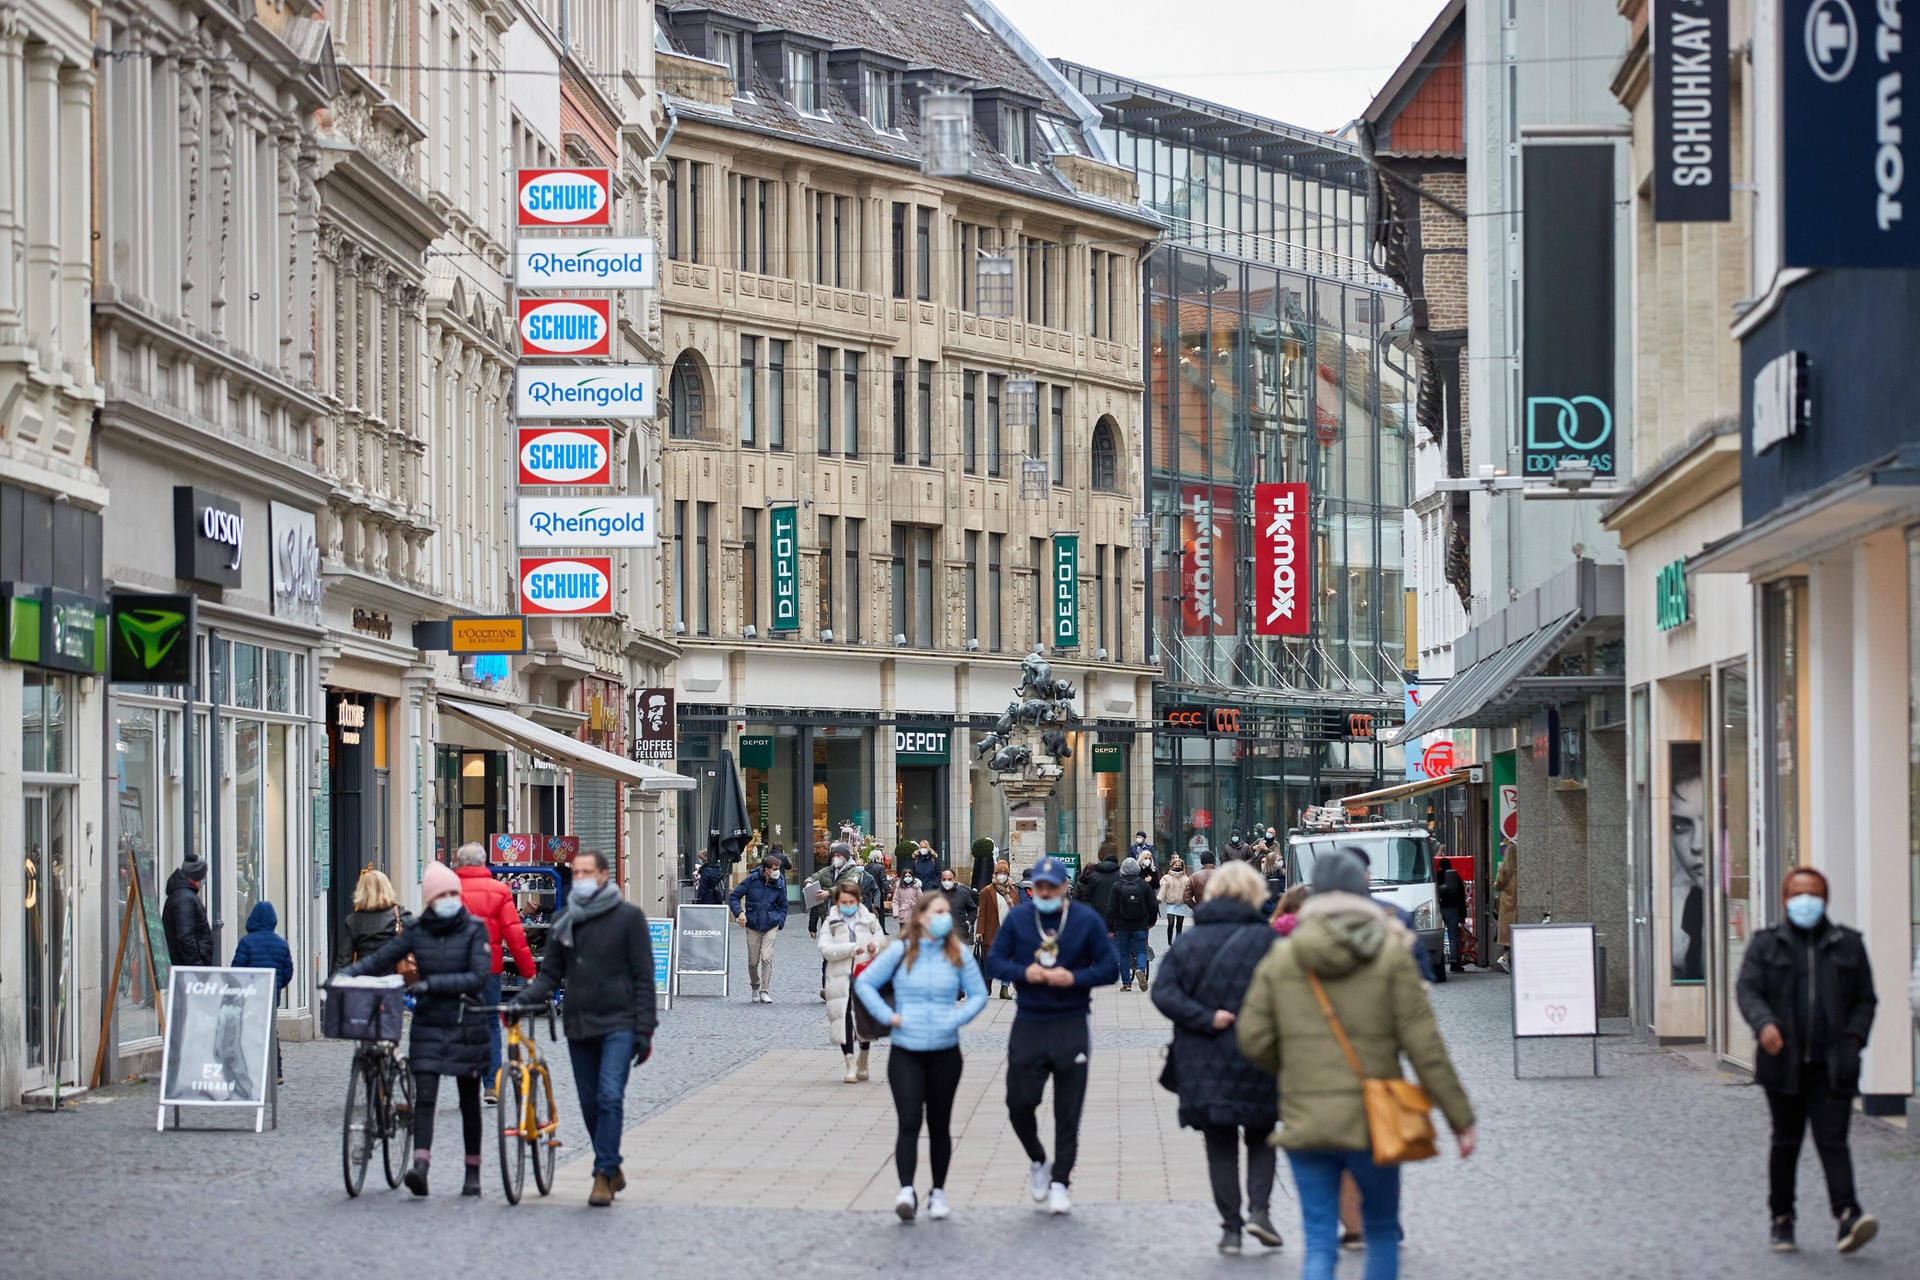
(1282, 560)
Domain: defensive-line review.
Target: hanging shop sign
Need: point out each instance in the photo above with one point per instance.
(784, 528)
(209, 534)
(1844, 67)
(513, 849)
(1567, 374)
(1282, 561)
(566, 326)
(580, 586)
(920, 746)
(350, 720)
(586, 522)
(474, 634)
(756, 751)
(612, 391)
(1782, 400)
(566, 455)
(553, 262)
(150, 639)
(564, 198)
(54, 628)
(1066, 590)
(1692, 179)
(298, 588)
(1208, 586)
(1109, 757)
(653, 725)
(1670, 597)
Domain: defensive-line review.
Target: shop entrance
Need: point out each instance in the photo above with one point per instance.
(920, 761)
(46, 847)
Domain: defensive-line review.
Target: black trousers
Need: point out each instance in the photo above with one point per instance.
(1174, 925)
(1223, 1170)
(1828, 1114)
(426, 1092)
(1036, 1050)
(923, 1083)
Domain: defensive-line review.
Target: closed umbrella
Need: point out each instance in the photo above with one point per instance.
(729, 830)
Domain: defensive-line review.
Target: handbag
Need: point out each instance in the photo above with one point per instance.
(865, 1025)
(1170, 1074)
(1399, 1113)
(408, 968)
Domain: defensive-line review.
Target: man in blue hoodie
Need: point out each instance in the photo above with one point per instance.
(262, 948)
(1054, 956)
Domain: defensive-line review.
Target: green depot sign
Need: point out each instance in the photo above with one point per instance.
(756, 751)
(784, 528)
(1670, 597)
(1109, 757)
(920, 745)
(1066, 590)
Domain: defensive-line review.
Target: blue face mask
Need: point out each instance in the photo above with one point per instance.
(1046, 906)
(585, 889)
(1805, 909)
(940, 926)
(448, 906)
(849, 909)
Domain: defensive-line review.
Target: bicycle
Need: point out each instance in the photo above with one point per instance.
(379, 1085)
(528, 1118)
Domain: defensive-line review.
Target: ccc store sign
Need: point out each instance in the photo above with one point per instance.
(1216, 720)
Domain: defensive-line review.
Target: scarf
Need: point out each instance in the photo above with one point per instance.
(591, 909)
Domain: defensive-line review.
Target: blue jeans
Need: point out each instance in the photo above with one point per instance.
(1317, 1175)
(1132, 944)
(490, 994)
(600, 1068)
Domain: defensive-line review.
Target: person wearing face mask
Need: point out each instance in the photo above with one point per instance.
(1806, 989)
(926, 865)
(492, 901)
(840, 868)
(998, 899)
(600, 954)
(1173, 899)
(905, 895)
(877, 889)
(1054, 955)
(965, 904)
(759, 905)
(937, 989)
(849, 938)
(450, 945)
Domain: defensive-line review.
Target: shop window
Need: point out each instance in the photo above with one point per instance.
(687, 399)
(146, 820)
(1785, 733)
(43, 723)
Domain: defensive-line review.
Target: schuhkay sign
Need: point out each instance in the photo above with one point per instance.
(1283, 559)
(1691, 104)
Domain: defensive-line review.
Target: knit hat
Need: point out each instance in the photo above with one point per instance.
(1342, 870)
(196, 869)
(1130, 867)
(436, 880)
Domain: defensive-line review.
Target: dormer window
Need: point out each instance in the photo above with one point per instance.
(803, 80)
(877, 87)
(729, 50)
(1015, 142)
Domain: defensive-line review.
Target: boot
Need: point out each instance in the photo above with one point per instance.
(602, 1194)
(416, 1177)
(860, 1068)
(1141, 978)
(1005, 993)
(471, 1187)
(616, 1182)
(853, 1074)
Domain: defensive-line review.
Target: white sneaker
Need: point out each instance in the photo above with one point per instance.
(937, 1205)
(1057, 1202)
(906, 1204)
(1038, 1175)
(853, 1073)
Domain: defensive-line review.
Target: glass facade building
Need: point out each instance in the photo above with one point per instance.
(1271, 357)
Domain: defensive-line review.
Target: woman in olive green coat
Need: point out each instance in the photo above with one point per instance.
(1364, 961)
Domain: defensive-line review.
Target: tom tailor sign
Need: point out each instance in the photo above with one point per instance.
(783, 527)
(586, 522)
(615, 391)
(1282, 563)
(576, 585)
(1691, 100)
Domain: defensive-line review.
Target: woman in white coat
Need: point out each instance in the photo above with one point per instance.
(850, 936)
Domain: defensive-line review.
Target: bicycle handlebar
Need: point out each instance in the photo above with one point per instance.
(519, 1011)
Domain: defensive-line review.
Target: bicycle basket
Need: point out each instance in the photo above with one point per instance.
(363, 1009)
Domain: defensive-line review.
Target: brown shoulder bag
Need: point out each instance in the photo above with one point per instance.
(1399, 1114)
(408, 968)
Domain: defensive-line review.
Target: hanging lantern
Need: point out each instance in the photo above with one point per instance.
(994, 285)
(946, 134)
(1020, 404)
(1035, 479)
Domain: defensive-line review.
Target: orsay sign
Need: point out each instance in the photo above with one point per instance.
(209, 537)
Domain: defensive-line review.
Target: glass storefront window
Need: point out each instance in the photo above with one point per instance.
(698, 752)
(1735, 879)
(1111, 796)
(43, 722)
(1785, 739)
(770, 792)
(244, 676)
(843, 783)
(146, 819)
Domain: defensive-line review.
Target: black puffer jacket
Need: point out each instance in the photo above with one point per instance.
(1096, 887)
(1132, 907)
(1784, 971)
(1208, 968)
(455, 964)
(365, 932)
(184, 920)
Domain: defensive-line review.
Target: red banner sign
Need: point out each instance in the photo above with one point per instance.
(1283, 561)
(1207, 588)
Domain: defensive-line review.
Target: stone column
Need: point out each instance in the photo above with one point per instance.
(76, 224)
(12, 228)
(40, 202)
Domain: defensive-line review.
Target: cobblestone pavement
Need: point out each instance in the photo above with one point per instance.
(742, 1134)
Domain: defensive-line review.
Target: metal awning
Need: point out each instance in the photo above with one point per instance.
(541, 741)
(1463, 698)
(1402, 791)
(1859, 503)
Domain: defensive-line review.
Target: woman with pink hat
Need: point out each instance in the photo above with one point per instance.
(449, 945)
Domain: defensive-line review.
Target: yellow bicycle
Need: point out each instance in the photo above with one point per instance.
(529, 1122)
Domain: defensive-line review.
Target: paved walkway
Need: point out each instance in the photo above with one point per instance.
(742, 1133)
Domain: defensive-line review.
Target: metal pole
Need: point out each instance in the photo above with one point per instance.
(214, 877)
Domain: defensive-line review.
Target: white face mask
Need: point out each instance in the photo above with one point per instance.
(1001, 878)
(946, 884)
(447, 906)
(585, 888)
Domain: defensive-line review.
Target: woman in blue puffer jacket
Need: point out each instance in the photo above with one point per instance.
(937, 989)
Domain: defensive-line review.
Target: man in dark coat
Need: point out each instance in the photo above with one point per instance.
(600, 952)
(926, 865)
(709, 880)
(963, 902)
(1096, 885)
(1203, 979)
(1806, 989)
(759, 905)
(184, 918)
(1131, 913)
(1450, 895)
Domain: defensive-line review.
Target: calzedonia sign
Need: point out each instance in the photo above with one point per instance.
(566, 455)
(1066, 590)
(783, 527)
(1282, 595)
(578, 586)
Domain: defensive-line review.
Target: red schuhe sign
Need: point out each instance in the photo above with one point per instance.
(1283, 561)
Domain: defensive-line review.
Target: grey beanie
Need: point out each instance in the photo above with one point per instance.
(1342, 870)
(1130, 867)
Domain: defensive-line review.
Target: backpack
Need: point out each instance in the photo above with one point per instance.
(1131, 900)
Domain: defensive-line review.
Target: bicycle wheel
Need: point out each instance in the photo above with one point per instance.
(357, 1126)
(397, 1132)
(545, 1138)
(512, 1110)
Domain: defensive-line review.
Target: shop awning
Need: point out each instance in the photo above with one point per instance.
(1403, 791)
(538, 740)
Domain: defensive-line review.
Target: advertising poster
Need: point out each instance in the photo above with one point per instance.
(219, 1037)
(660, 935)
(653, 724)
(1567, 314)
(1207, 580)
(1687, 864)
(1553, 981)
(703, 937)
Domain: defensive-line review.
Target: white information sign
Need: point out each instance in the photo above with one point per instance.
(582, 391)
(1554, 981)
(575, 262)
(586, 522)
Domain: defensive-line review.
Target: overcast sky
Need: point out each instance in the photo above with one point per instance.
(1304, 62)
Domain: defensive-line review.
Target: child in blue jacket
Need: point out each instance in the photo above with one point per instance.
(262, 948)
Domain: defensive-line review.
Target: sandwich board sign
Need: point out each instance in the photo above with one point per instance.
(1555, 987)
(218, 1050)
(703, 946)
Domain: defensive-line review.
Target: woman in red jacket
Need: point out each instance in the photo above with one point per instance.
(492, 901)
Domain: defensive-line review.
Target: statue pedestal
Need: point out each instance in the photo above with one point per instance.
(1027, 796)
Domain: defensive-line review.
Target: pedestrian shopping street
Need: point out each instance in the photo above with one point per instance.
(746, 1153)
